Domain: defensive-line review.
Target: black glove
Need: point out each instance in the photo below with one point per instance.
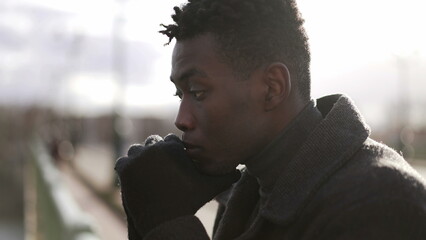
(159, 183)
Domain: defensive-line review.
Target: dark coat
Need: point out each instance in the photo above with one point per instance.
(340, 185)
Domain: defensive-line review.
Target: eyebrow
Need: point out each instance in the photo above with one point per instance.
(188, 74)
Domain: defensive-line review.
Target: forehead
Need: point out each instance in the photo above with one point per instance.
(202, 45)
(198, 52)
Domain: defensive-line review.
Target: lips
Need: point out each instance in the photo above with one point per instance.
(192, 150)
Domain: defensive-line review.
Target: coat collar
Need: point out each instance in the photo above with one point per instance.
(334, 140)
(268, 164)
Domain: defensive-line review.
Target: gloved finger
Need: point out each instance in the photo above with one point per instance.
(172, 138)
(175, 144)
(120, 164)
(153, 139)
(135, 150)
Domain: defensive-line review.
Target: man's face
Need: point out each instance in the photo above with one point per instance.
(220, 115)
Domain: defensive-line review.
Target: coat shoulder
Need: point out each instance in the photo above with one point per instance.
(376, 186)
(382, 166)
(374, 172)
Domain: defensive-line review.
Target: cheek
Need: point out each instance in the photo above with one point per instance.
(227, 127)
(227, 120)
(214, 122)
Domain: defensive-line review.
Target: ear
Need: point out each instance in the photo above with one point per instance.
(278, 82)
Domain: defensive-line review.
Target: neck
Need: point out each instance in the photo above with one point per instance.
(288, 112)
(269, 163)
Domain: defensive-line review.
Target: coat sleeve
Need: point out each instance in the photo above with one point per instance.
(391, 219)
(186, 227)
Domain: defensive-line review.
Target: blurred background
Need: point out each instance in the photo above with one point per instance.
(81, 80)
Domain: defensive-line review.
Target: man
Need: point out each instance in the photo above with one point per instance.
(241, 70)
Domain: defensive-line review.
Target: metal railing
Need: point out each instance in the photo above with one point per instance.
(58, 215)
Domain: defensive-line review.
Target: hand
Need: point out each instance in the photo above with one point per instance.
(159, 183)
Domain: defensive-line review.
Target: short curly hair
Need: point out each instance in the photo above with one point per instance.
(250, 33)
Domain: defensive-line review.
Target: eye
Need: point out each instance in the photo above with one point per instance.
(198, 94)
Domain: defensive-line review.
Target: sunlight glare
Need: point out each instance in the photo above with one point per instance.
(96, 89)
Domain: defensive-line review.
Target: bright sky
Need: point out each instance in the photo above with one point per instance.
(355, 47)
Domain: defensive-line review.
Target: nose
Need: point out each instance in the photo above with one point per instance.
(185, 120)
